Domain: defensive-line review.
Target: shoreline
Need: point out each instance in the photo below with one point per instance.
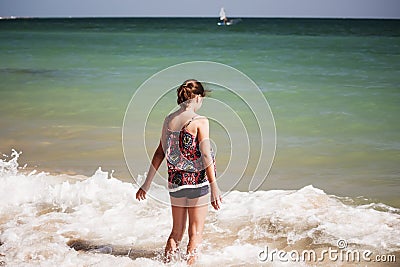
(272, 182)
(102, 217)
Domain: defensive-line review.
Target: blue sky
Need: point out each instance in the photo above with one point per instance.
(202, 8)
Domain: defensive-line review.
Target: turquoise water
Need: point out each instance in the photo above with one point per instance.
(333, 87)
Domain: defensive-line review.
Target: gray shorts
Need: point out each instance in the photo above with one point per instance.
(190, 192)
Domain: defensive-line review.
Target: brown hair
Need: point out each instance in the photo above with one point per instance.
(188, 90)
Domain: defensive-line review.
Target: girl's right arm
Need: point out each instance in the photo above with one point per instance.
(205, 149)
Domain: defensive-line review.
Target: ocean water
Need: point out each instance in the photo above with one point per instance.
(333, 87)
(42, 216)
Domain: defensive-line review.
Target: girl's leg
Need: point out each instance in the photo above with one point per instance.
(197, 217)
(179, 218)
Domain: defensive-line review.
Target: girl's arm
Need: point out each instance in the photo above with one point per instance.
(158, 157)
(205, 149)
(156, 161)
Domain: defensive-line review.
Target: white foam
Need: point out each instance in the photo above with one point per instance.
(40, 213)
(309, 212)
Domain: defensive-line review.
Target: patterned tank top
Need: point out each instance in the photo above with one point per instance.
(184, 162)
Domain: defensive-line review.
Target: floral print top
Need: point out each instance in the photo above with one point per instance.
(184, 162)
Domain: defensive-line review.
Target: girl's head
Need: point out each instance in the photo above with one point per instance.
(189, 90)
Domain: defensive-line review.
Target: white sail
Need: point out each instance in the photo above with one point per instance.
(222, 15)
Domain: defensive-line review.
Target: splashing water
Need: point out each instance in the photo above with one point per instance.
(44, 219)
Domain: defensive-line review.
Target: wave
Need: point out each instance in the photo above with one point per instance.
(69, 220)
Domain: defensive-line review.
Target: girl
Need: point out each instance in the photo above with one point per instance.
(191, 169)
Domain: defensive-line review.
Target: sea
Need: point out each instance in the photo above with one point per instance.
(67, 193)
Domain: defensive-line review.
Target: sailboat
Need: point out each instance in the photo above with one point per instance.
(223, 20)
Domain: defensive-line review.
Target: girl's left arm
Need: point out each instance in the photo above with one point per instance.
(156, 161)
(158, 157)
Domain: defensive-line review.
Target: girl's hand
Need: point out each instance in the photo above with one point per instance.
(216, 198)
(140, 194)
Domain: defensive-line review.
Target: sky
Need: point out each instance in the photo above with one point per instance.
(201, 8)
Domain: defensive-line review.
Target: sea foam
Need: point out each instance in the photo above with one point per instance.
(41, 214)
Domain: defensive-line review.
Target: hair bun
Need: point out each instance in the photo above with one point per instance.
(188, 90)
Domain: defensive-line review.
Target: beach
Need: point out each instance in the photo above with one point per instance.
(333, 87)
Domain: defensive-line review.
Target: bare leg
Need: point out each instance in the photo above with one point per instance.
(179, 218)
(197, 217)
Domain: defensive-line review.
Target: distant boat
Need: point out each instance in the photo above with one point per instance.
(224, 21)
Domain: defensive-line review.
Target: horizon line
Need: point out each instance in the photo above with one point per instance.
(192, 17)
